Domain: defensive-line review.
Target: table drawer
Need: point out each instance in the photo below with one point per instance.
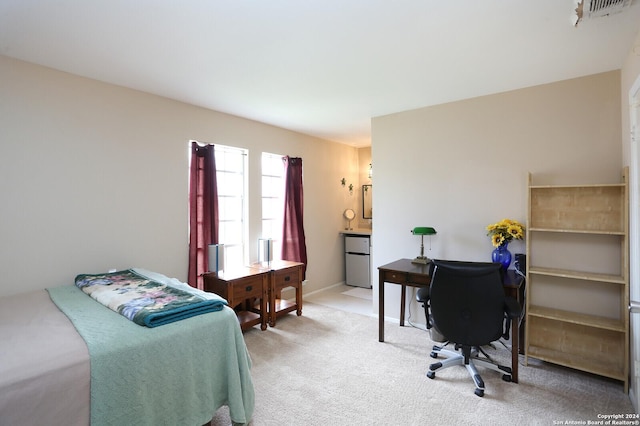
(395, 277)
(418, 279)
(286, 278)
(247, 289)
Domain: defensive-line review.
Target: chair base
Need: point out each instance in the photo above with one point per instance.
(457, 358)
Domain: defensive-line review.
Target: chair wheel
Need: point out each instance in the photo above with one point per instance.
(479, 392)
(506, 377)
(433, 354)
(431, 374)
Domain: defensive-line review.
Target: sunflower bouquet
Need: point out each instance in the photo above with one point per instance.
(505, 231)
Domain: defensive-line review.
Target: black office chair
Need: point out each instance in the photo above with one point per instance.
(468, 306)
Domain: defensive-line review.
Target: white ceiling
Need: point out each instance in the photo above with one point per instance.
(320, 67)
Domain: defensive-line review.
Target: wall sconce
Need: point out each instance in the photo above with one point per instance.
(370, 171)
(343, 182)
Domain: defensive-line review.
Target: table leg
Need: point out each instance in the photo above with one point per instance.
(299, 293)
(381, 308)
(271, 297)
(264, 304)
(403, 296)
(515, 349)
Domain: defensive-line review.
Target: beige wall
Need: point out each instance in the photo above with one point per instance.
(461, 166)
(94, 176)
(78, 158)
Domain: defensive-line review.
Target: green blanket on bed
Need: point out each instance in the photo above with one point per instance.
(177, 374)
(143, 300)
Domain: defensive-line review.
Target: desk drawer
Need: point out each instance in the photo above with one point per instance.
(247, 289)
(286, 278)
(395, 277)
(418, 279)
(406, 278)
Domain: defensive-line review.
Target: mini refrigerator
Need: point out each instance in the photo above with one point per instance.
(357, 255)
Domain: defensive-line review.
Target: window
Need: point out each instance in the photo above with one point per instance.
(273, 200)
(231, 164)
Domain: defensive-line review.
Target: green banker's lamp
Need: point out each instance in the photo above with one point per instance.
(422, 231)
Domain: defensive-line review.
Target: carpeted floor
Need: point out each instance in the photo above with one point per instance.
(361, 293)
(328, 368)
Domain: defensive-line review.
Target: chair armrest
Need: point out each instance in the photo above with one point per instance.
(422, 296)
(512, 308)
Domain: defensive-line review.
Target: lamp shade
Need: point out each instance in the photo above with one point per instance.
(216, 257)
(265, 250)
(423, 230)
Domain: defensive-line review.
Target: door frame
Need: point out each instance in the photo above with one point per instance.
(634, 241)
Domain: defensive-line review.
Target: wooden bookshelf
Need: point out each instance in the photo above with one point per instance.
(577, 314)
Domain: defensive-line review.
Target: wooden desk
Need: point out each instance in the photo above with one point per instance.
(401, 272)
(241, 287)
(405, 273)
(282, 274)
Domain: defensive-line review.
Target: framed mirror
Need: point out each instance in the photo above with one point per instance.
(367, 206)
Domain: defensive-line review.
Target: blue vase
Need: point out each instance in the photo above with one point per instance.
(502, 255)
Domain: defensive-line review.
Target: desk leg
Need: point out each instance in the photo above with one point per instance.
(515, 349)
(381, 308)
(403, 296)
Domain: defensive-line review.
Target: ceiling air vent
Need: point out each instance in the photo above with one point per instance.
(589, 9)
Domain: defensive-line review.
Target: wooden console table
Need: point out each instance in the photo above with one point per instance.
(405, 273)
(241, 287)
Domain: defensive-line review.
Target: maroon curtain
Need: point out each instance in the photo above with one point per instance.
(293, 241)
(203, 211)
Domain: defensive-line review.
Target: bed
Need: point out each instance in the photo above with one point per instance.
(66, 359)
